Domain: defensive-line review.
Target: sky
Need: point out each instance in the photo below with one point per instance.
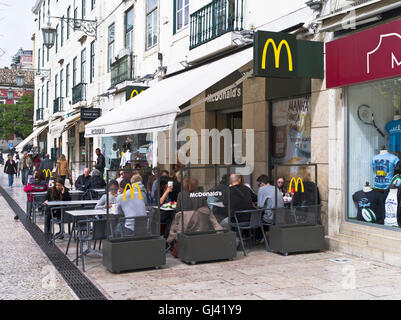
(16, 28)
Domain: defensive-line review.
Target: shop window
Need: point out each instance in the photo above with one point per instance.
(374, 150)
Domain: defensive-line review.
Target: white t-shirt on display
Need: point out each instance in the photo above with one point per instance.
(391, 206)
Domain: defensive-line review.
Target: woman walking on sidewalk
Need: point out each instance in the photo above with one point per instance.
(11, 169)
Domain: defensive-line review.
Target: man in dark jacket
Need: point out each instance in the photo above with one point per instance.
(82, 183)
(100, 162)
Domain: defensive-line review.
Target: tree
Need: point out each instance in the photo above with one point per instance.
(16, 59)
(17, 118)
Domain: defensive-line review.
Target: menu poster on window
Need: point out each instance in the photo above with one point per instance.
(291, 131)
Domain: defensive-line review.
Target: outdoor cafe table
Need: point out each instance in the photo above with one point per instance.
(83, 213)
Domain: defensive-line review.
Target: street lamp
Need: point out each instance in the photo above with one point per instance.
(49, 36)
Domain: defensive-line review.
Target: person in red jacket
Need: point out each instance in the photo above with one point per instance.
(36, 184)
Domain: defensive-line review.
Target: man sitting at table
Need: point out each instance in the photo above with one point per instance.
(267, 197)
(130, 207)
(113, 193)
(82, 183)
(56, 193)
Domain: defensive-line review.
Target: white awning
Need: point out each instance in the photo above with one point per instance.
(156, 108)
(59, 127)
(32, 136)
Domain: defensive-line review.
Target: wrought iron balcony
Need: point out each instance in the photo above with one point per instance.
(39, 114)
(79, 93)
(122, 70)
(58, 105)
(216, 19)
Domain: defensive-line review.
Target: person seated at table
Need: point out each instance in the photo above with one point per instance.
(113, 193)
(165, 190)
(280, 184)
(82, 183)
(119, 177)
(267, 197)
(164, 173)
(96, 181)
(56, 193)
(241, 198)
(129, 207)
(197, 215)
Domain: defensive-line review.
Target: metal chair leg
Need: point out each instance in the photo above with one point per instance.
(82, 255)
(265, 239)
(94, 245)
(241, 240)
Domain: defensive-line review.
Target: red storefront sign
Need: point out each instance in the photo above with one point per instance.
(365, 56)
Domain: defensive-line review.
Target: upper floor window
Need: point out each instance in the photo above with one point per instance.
(93, 2)
(129, 29)
(110, 50)
(38, 58)
(68, 23)
(43, 55)
(75, 16)
(83, 66)
(181, 14)
(62, 32)
(61, 82)
(83, 9)
(92, 62)
(56, 38)
(74, 71)
(39, 15)
(151, 23)
(67, 80)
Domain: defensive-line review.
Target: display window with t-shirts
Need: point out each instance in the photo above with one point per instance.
(374, 153)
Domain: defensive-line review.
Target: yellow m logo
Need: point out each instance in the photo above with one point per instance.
(297, 182)
(48, 173)
(135, 93)
(303, 125)
(132, 190)
(277, 51)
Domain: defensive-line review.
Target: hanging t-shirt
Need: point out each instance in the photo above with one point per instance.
(114, 154)
(370, 206)
(391, 207)
(394, 130)
(383, 165)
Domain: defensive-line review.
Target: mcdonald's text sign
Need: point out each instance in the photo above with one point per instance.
(281, 55)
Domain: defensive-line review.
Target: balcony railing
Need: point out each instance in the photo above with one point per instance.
(122, 70)
(79, 93)
(58, 105)
(39, 114)
(216, 19)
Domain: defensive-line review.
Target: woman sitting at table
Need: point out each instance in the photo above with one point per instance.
(113, 193)
(130, 207)
(197, 215)
(56, 193)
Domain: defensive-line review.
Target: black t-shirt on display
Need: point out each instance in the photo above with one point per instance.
(368, 203)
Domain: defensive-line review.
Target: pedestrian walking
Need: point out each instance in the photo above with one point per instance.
(17, 162)
(11, 169)
(62, 169)
(26, 165)
(100, 162)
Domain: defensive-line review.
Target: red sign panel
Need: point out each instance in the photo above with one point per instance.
(368, 55)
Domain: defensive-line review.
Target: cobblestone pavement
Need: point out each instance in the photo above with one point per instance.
(261, 275)
(25, 271)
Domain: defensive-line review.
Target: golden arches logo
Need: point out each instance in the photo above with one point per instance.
(132, 190)
(303, 125)
(277, 51)
(297, 182)
(136, 93)
(48, 173)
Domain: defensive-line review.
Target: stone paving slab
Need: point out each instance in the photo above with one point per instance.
(259, 276)
(25, 271)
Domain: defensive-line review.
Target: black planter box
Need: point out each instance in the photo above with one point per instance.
(296, 239)
(204, 247)
(134, 254)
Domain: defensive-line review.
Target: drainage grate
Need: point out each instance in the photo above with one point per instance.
(78, 282)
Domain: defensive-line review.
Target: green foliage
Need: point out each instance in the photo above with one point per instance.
(16, 59)
(17, 118)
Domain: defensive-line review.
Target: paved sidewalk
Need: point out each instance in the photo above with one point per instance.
(25, 271)
(261, 275)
